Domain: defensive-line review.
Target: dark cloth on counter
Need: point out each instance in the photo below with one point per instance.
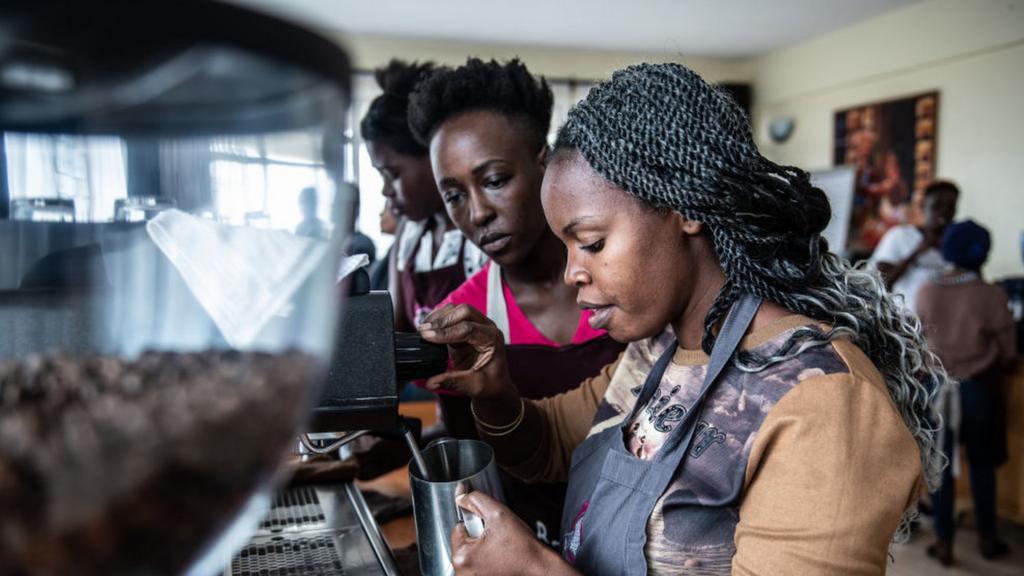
(360, 243)
(323, 469)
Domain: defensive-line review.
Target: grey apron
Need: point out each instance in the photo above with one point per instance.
(612, 492)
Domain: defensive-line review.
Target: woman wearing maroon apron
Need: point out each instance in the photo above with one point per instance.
(486, 125)
(783, 425)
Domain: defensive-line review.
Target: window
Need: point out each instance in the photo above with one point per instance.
(85, 172)
(257, 179)
(241, 180)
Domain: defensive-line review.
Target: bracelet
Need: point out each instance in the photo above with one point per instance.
(511, 427)
(492, 430)
(515, 421)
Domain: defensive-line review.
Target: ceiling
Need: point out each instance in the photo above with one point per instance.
(693, 27)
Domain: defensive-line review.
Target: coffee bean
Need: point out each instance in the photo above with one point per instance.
(132, 466)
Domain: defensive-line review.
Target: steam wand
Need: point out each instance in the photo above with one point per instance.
(404, 428)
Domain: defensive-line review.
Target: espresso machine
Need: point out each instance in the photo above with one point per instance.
(328, 528)
(161, 352)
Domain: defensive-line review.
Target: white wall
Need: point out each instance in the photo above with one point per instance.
(368, 52)
(971, 51)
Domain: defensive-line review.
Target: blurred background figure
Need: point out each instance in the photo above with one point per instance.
(388, 219)
(908, 255)
(379, 269)
(359, 243)
(970, 327)
(310, 225)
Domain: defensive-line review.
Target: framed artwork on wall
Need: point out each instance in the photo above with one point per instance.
(892, 147)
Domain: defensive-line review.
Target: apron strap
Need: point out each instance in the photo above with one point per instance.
(677, 445)
(497, 308)
(619, 491)
(733, 329)
(652, 381)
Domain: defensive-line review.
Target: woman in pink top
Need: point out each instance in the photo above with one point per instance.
(486, 124)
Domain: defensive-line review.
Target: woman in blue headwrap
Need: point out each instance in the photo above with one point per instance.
(970, 327)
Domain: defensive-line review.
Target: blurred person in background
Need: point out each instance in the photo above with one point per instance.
(908, 256)
(379, 269)
(359, 243)
(969, 326)
(388, 219)
(310, 225)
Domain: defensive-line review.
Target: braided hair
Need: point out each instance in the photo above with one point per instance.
(386, 121)
(508, 88)
(666, 137)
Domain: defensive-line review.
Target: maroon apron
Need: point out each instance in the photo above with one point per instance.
(429, 288)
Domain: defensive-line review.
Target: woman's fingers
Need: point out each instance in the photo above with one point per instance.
(463, 332)
(450, 315)
(437, 313)
(460, 537)
(437, 382)
(451, 381)
(462, 549)
(459, 313)
(482, 505)
(474, 343)
(505, 547)
(456, 381)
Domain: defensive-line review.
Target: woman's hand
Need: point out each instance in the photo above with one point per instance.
(477, 349)
(506, 546)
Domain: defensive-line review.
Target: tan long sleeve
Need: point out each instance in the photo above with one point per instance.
(830, 473)
(557, 425)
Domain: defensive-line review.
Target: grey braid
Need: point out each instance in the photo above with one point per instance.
(662, 134)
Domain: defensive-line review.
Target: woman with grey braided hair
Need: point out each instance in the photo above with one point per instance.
(772, 413)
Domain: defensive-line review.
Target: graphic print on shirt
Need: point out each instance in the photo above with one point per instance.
(692, 526)
(574, 539)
